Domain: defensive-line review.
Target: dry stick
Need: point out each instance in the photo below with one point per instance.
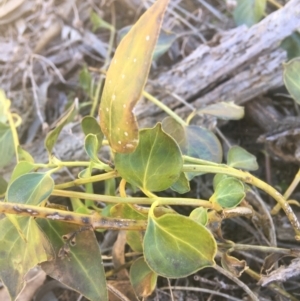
(272, 286)
(237, 281)
(94, 220)
(250, 179)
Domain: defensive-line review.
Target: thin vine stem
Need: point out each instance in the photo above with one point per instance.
(164, 108)
(132, 200)
(249, 179)
(92, 179)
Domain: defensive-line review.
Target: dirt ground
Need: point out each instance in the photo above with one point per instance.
(45, 45)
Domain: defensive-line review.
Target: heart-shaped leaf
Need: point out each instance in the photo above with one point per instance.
(156, 163)
(91, 126)
(239, 158)
(126, 78)
(77, 265)
(229, 193)
(291, 77)
(31, 189)
(194, 141)
(18, 256)
(142, 278)
(175, 246)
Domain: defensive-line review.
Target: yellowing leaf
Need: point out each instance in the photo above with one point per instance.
(126, 78)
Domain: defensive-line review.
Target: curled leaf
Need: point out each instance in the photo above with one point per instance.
(126, 78)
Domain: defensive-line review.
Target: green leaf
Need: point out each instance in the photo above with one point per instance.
(176, 246)
(135, 240)
(22, 168)
(199, 215)
(126, 78)
(4, 107)
(3, 186)
(67, 117)
(99, 22)
(224, 110)
(31, 189)
(6, 144)
(91, 147)
(91, 126)
(194, 141)
(182, 185)
(229, 193)
(239, 158)
(291, 77)
(203, 144)
(142, 278)
(19, 256)
(292, 45)
(218, 178)
(249, 12)
(156, 163)
(127, 211)
(85, 80)
(82, 268)
(164, 42)
(24, 155)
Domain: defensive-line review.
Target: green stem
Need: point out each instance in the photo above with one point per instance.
(97, 178)
(131, 200)
(288, 192)
(250, 179)
(164, 108)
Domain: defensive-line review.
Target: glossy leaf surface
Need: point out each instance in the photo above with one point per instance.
(80, 266)
(156, 163)
(175, 246)
(126, 78)
(19, 256)
(229, 193)
(291, 76)
(142, 278)
(31, 189)
(239, 158)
